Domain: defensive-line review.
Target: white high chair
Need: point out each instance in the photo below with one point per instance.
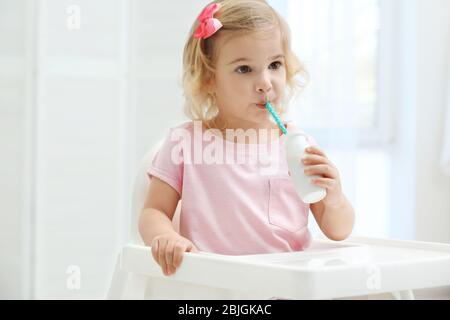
(327, 270)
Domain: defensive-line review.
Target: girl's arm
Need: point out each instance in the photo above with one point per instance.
(336, 221)
(334, 214)
(159, 209)
(156, 229)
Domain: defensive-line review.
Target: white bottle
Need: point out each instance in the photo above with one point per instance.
(296, 143)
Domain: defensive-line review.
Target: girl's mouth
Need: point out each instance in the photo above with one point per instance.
(260, 105)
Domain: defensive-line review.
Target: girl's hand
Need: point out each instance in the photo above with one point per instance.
(168, 249)
(317, 163)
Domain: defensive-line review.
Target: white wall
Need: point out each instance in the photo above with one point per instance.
(16, 20)
(420, 202)
(80, 161)
(433, 56)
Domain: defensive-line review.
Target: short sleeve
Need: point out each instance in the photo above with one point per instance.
(168, 164)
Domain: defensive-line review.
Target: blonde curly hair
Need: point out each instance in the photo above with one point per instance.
(242, 17)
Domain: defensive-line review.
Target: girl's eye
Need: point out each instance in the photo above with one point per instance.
(246, 69)
(243, 69)
(275, 65)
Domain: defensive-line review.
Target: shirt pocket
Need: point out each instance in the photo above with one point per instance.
(286, 209)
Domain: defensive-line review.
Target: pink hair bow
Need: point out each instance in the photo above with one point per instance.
(208, 25)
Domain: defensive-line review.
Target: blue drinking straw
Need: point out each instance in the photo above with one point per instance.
(277, 119)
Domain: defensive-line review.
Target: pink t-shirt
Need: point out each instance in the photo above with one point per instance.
(236, 198)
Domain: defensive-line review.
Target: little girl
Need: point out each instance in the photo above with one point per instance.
(228, 165)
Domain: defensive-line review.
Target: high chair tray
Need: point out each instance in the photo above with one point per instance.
(327, 269)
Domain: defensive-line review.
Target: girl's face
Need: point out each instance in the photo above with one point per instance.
(250, 70)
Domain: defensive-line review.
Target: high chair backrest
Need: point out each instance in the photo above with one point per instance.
(140, 190)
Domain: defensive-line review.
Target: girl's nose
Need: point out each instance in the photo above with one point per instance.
(264, 84)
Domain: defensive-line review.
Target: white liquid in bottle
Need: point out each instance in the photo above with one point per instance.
(296, 143)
